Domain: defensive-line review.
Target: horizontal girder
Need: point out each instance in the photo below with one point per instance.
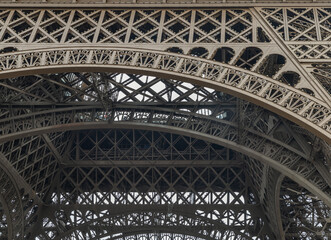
(161, 3)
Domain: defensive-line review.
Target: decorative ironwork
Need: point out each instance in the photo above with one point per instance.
(174, 122)
(231, 79)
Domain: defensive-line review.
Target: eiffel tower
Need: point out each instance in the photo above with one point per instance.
(165, 119)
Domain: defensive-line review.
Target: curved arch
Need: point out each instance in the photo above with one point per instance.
(272, 64)
(249, 57)
(199, 52)
(308, 91)
(291, 78)
(14, 127)
(185, 233)
(224, 54)
(288, 157)
(175, 50)
(277, 203)
(227, 141)
(278, 97)
(143, 235)
(120, 234)
(204, 223)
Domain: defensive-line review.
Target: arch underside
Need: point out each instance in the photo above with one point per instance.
(164, 124)
(59, 138)
(121, 191)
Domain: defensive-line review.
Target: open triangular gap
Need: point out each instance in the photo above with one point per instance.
(9, 37)
(4, 15)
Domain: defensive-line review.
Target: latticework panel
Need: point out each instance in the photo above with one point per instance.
(151, 180)
(113, 90)
(175, 121)
(306, 32)
(11, 208)
(33, 160)
(300, 24)
(129, 26)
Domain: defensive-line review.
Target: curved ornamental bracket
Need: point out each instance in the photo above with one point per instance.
(278, 97)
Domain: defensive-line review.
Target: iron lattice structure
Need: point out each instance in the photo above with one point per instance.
(165, 120)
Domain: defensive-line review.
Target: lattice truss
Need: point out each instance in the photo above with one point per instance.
(307, 33)
(193, 192)
(128, 26)
(202, 28)
(178, 42)
(123, 181)
(128, 156)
